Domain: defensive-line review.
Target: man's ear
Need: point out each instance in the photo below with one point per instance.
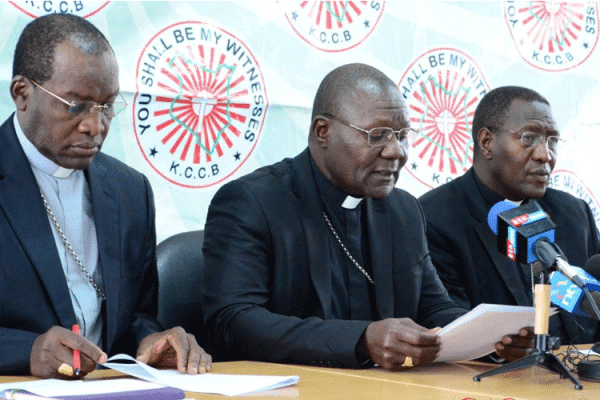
(319, 129)
(20, 91)
(485, 140)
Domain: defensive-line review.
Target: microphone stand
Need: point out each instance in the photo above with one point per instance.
(541, 356)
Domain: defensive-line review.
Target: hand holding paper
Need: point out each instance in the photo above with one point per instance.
(476, 333)
(174, 348)
(514, 347)
(390, 341)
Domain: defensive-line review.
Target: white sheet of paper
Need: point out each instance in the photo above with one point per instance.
(228, 385)
(474, 334)
(587, 352)
(58, 388)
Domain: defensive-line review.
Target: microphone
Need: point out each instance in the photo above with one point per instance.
(519, 228)
(571, 298)
(588, 308)
(526, 234)
(549, 254)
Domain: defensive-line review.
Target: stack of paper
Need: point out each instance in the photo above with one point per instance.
(475, 334)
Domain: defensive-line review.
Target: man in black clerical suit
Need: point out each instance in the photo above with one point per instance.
(516, 142)
(319, 259)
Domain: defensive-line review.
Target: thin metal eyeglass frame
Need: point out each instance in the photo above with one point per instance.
(411, 132)
(559, 143)
(72, 104)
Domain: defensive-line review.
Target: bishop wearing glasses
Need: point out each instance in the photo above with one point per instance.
(516, 143)
(77, 230)
(319, 259)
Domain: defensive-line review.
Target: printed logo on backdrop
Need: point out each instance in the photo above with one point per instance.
(553, 36)
(82, 9)
(200, 104)
(442, 89)
(333, 25)
(568, 182)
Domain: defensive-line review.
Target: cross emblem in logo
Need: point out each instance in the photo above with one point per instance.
(445, 122)
(202, 106)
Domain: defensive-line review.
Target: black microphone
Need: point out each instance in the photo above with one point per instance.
(592, 267)
(587, 307)
(550, 255)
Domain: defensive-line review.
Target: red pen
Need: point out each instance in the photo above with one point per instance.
(76, 355)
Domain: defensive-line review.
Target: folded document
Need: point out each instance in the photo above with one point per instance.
(229, 385)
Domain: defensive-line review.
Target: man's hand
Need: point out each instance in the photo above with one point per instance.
(391, 341)
(513, 347)
(55, 347)
(174, 348)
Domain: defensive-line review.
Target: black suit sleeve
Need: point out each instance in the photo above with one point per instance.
(239, 279)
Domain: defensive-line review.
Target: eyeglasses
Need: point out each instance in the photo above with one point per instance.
(78, 107)
(533, 140)
(380, 136)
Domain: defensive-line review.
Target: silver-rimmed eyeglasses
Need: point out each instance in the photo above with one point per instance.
(534, 139)
(78, 107)
(381, 136)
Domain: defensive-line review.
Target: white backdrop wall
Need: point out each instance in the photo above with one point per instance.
(218, 89)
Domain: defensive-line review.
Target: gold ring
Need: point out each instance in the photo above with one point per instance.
(408, 362)
(65, 369)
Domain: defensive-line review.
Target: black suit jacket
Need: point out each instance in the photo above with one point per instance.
(267, 282)
(33, 289)
(464, 250)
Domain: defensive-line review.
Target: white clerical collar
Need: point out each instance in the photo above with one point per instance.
(515, 202)
(37, 159)
(351, 202)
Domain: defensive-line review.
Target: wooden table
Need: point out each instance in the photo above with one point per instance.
(434, 381)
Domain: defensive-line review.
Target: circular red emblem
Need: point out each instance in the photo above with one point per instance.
(333, 25)
(200, 104)
(442, 88)
(553, 36)
(84, 9)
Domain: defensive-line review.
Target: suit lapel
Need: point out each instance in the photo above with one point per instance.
(506, 267)
(316, 231)
(106, 219)
(22, 204)
(380, 241)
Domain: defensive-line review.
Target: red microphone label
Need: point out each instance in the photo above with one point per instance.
(520, 220)
(510, 250)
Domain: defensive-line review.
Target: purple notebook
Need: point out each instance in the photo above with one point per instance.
(166, 393)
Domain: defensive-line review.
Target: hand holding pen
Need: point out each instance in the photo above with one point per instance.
(54, 354)
(76, 354)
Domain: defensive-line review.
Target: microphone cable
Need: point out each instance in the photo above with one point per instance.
(586, 366)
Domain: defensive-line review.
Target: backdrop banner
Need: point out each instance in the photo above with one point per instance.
(217, 89)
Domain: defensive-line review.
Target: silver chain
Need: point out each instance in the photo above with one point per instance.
(361, 269)
(69, 247)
